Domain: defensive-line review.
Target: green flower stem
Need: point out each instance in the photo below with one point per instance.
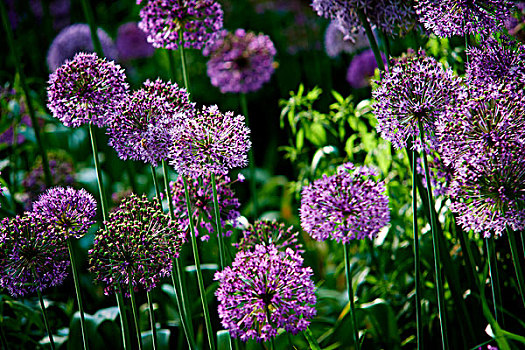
(135, 314)
(251, 159)
(435, 243)
(417, 260)
(218, 226)
(25, 88)
(517, 263)
(494, 280)
(152, 322)
(200, 281)
(351, 296)
(44, 314)
(371, 38)
(156, 185)
(386, 46)
(92, 28)
(78, 292)
(183, 63)
(184, 310)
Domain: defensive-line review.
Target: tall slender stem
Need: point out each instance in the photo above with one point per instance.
(135, 314)
(251, 159)
(351, 297)
(435, 243)
(183, 63)
(371, 38)
(200, 281)
(156, 185)
(417, 260)
(92, 28)
(517, 263)
(25, 88)
(218, 226)
(494, 280)
(152, 322)
(74, 269)
(46, 321)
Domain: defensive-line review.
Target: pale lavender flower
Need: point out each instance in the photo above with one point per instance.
(132, 42)
(362, 68)
(335, 42)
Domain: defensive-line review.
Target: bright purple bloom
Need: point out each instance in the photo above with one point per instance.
(68, 212)
(74, 39)
(335, 42)
(165, 20)
(201, 196)
(140, 128)
(210, 142)
(362, 68)
(446, 18)
(85, 90)
(345, 206)
(267, 233)
(240, 61)
(416, 89)
(137, 246)
(31, 257)
(263, 291)
(132, 42)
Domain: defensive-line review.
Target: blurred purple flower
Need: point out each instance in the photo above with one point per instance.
(132, 42)
(240, 61)
(74, 39)
(85, 90)
(335, 43)
(58, 9)
(263, 291)
(345, 206)
(362, 68)
(164, 20)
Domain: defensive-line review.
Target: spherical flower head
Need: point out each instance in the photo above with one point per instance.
(348, 205)
(132, 42)
(140, 128)
(446, 18)
(240, 61)
(201, 197)
(164, 20)
(85, 90)
(210, 142)
(74, 39)
(335, 43)
(68, 212)
(31, 257)
(362, 68)
(488, 191)
(263, 291)
(136, 247)
(416, 89)
(269, 232)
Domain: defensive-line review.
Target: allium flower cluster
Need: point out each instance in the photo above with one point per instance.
(132, 42)
(165, 20)
(136, 247)
(74, 39)
(210, 142)
(335, 42)
(140, 128)
(390, 16)
(201, 196)
(86, 90)
(345, 206)
(263, 291)
(68, 212)
(240, 61)
(416, 89)
(362, 68)
(446, 18)
(31, 256)
(269, 232)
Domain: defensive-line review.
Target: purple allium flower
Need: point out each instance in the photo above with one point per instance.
(74, 39)
(31, 256)
(210, 142)
(240, 61)
(446, 18)
(390, 16)
(86, 90)
(362, 68)
(132, 42)
(345, 206)
(201, 195)
(140, 128)
(136, 246)
(335, 43)
(267, 233)
(69, 212)
(164, 20)
(263, 291)
(488, 191)
(416, 89)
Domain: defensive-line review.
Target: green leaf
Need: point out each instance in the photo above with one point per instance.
(311, 339)
(316, 134)
(224, 341)
(163, 339)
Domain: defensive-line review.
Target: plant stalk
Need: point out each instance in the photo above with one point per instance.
(44, 314)
(218, 226)
(371, 38)
(351, 297)
(251, 160)
(417, 259)
(135, 314)
(152, 322)
(517, 263)
(494, 280)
